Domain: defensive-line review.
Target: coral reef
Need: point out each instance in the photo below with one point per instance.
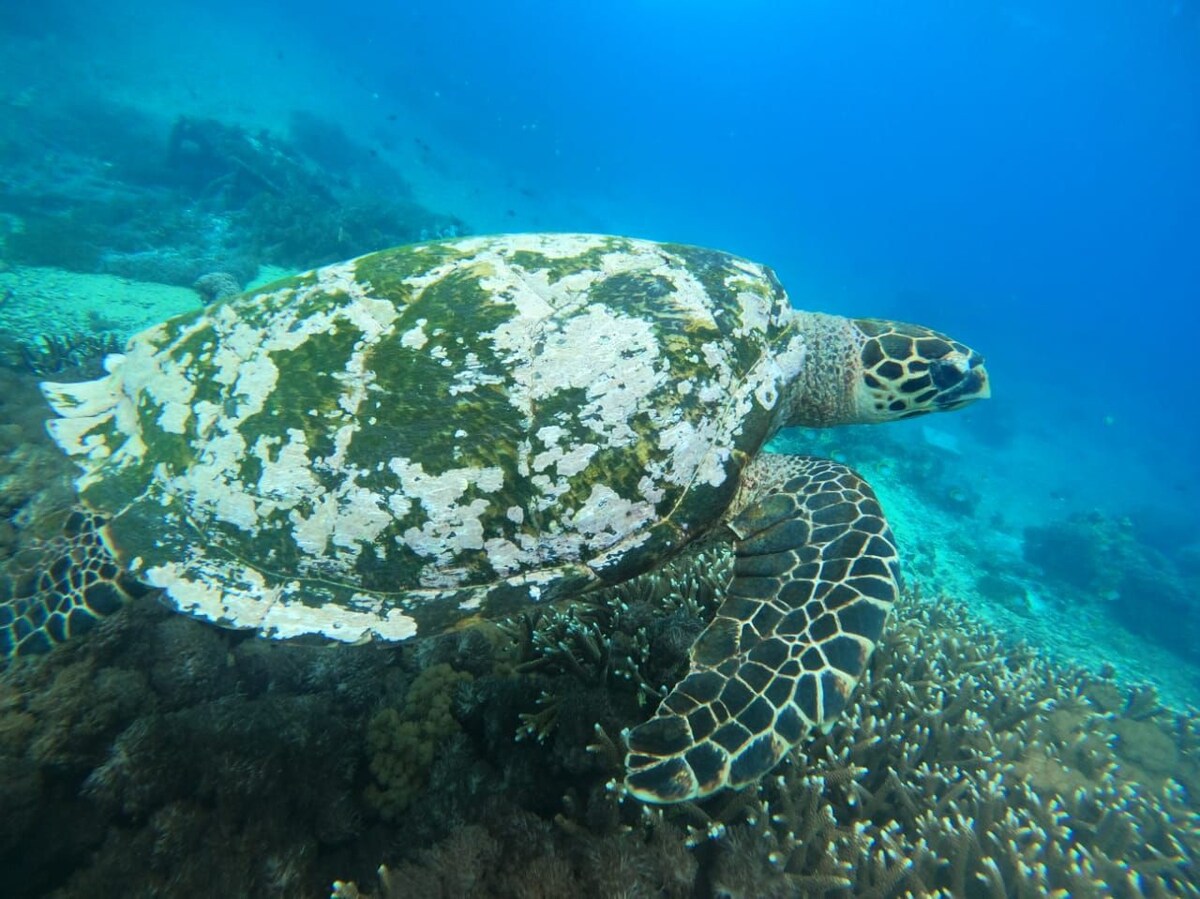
(967, 768)
(160, 756)
(217, 286)
(514, 853)
(401, 743)
(97, 187)
(65, 357)
(1095, 557)
(35, 478)
(164, 755)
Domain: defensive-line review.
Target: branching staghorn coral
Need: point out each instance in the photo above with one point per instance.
(631, 637)
(965, 767)
(968, 769)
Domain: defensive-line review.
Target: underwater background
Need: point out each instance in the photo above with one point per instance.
(1023, 176)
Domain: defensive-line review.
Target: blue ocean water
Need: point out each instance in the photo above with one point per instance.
(1022, 175)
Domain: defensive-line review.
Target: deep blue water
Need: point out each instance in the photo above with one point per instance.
(1023, 175)
(1030, 171)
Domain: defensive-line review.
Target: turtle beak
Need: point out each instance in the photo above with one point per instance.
(977, 376)
(984, 391)
(961, 383)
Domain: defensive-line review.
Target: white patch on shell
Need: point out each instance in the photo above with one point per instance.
(614, 555)
(759, 313)
(614, 359)
(695, 453)
(90, 408)
(567, 462)
(237, 354)
(789, 360)
(83, 409)
(504, 556)
(651, 491)
(450, 526)
(162, 381)
(471, 375)
(470, 605)
(756, 314)
(204, 588)
(207, 590)
(552, 246)
(415, 337)
(288, 478)
(606, 521)
(357, 380)
(690, 297)
(605, 516)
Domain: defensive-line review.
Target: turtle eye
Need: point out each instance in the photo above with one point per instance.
(947, 373)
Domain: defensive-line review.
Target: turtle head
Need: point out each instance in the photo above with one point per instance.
(864, 370)
(908, 370)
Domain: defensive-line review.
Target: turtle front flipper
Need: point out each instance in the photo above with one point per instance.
(69, 584)
(815, 575)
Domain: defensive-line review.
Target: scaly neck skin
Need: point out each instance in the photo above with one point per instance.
(824, 394)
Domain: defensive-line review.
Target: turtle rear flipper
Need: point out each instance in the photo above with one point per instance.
(815, 575)
(73, 582)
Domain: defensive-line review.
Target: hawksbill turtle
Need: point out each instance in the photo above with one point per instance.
(383, 447)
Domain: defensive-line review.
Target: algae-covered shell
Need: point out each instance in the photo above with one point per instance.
(389, 444)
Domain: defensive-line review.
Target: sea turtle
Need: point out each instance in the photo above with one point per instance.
(383, 447)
